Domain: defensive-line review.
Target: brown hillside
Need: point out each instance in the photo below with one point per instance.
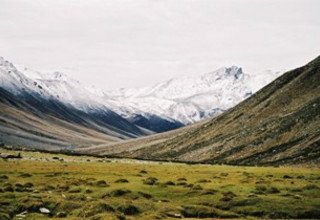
(280, 124)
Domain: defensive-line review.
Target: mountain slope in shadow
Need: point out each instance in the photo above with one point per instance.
(28, 120)
(280, 124)
(55, 114)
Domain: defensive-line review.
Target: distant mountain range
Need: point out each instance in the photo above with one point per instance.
(53, 114)
(189, 99)
(112, 115)
(280, 124)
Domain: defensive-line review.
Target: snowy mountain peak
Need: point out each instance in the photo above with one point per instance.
(190, 98)
(2, 60)
(6, 64)
(187, 99)
(235, 71)
(17, 82)
(59, 76)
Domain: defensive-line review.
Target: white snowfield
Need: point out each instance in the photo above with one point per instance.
(186, 99)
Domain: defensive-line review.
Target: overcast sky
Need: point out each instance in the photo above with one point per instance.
(132, 43)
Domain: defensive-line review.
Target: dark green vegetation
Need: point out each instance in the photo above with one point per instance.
(280, 124)
(96, 188)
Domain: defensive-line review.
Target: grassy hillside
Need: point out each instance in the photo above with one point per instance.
(95, 188)
(280, 124)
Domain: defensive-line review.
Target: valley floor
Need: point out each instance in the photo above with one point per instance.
(43, 185)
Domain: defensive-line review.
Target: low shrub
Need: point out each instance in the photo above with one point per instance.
(226, 199)
(169, 183)
(287, 177)
(273, 190)
(203, 181)
(4, 177)
(143, 172)
(145, 195)
(63, 188)
(75, 190)
(229, 194)
(101, 183)
(93, 209)
(204, 212)
(121, 181)
(182, 184)
(88, 191)
(25, 175)
(311, 187)
(48, 188)
(190, 185)
(197, 187)
(261, 188)
(150, 181)
(61, 215)
(129, 209)
(246, 202)
(28, 185)
(209, 192)
(117, 193)
(8, 189)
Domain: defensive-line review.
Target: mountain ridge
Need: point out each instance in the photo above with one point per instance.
(31, 116)
(280, 124)
(173, 103)
(165, 106)
(220, 89)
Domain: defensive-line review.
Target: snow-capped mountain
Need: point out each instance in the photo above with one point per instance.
(52, 100)
(16, 82)
(68, 90)
(165, 106)
(190, 99)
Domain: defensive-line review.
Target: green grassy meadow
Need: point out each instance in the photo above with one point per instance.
(82, 187)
